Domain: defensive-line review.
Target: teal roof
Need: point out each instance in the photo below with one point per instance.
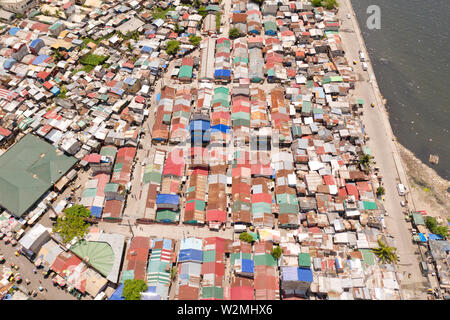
(265, 260)
(100, 255)
(304, 260)
(28, 170)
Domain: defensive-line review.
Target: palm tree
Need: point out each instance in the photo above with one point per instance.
(385, 253)
(365, 160)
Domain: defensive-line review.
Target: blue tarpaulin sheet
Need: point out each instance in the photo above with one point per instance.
(305, 275)
(190, 255)
(221, 127)
(39, 59)
(118, 294)
(432, 236)
(222, 73)
(167, 198)
(35, 42)
(248, 266)
(13, 31)
(146, 49)
(422, 237)
(96, 212)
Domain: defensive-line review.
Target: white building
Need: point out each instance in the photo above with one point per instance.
(18, 6)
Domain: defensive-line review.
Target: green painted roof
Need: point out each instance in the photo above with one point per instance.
(185, 72)
(111, 187)
(369, 205)
(209, 256)
(418, 219)
(166, 215)
(27, 171)
(212, 292)
(265, 260)
(100, 255)
(368, 257)
(304, 260)
(240, 255)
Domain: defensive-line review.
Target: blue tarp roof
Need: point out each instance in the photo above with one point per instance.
(35, 42)
(190, 255)
(200, 125)
(9, 63)
(221, 127)
(118, 294)
(146, 49)
(222, 73)
(39, 59)
(14, 30)
(422, 237)
(167, 198)
(55, 91)
(432, 236)
(158, 97)
(305, 275)
(248, 266)
(96, 212)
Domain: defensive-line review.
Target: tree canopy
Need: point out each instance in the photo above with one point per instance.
(385, 253)
(276, 252)
(433, 226)
(327, 4)
(172, 47)
(195, 40)
(244, 236)
(72, 223)
(132, 289)
(380, 191)
(234, 33)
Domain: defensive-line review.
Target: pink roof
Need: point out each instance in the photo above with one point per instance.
(242, 293)
(216, 215)
(92, 158)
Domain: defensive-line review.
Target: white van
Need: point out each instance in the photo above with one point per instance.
(364, 66)
(401, 189)
(362, 57)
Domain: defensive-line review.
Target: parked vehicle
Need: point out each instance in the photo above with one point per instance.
(364, 66)
(401, 189)
(362, 57)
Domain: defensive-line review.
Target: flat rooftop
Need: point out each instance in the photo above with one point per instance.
(28, 170)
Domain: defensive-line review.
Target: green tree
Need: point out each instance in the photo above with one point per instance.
(433, 226)
(385, 253)
(244, 236)
(218, 16)
(365, 160)
(72, 224)
(132, 289)
(202, 11)
(195, 40)
(63, 92)
(57, 55)
(234, 33)
(172, 47)
(276, 252)
(173, 272)
(380, 191)
(178, 29)
(330, 4)
(197, 3)
(316, 3)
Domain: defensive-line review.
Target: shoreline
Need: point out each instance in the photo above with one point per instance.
(385, 149)
(415, 172)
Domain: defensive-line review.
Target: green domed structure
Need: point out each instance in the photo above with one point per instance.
(100, 255)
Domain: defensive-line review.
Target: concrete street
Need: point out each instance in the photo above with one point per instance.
(383, 146)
